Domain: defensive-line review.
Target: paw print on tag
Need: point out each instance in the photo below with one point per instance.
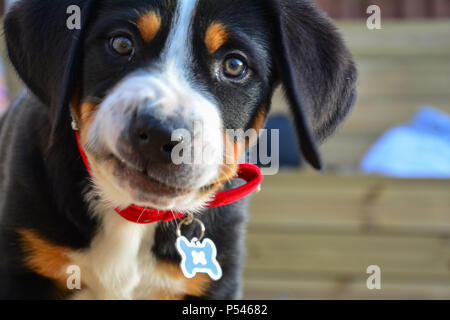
(198, 257)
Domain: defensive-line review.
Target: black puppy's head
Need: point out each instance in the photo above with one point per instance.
(150, 79)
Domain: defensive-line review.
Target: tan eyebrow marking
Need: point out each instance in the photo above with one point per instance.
(149, 25)
(216, 37)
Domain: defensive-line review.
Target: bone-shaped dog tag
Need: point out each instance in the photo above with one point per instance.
(198, 257)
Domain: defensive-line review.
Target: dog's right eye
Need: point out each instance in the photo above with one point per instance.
(122, 45)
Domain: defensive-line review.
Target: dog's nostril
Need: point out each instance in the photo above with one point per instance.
(151, 139)
(168, 148)
(143, 136)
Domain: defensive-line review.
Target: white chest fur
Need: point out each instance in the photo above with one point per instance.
(120, 265)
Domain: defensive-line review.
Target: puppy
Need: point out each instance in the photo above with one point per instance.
(134, 72)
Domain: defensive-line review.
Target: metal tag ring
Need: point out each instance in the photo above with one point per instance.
(188, 221)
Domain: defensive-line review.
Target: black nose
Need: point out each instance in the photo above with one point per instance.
(152, 138)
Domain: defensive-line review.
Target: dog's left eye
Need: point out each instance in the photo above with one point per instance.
(122, 45)
(234, 67)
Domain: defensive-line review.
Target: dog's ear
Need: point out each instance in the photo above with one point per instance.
(316, 70)
(46, 51)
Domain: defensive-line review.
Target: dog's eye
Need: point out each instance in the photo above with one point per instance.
(122, 46)
(234, 68)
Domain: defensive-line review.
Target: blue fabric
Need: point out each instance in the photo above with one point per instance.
(420, 149)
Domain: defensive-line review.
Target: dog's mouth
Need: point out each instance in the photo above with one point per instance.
(142, 182)
(124, 178)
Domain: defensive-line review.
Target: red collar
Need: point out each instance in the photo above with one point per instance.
(248, 172)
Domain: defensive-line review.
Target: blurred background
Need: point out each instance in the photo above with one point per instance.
(384, 197)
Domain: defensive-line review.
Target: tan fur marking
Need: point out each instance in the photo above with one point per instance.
(85, 114)
(195, 287)
(216, 37)
(258, 124)
(260, 118)
(45, 258)
(149, 25)
(230, 167)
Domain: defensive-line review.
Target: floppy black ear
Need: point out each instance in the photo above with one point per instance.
(316, 70)
(45, 52)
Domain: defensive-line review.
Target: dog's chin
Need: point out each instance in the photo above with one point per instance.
(125, 186)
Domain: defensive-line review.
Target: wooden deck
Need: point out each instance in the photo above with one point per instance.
(313, 236)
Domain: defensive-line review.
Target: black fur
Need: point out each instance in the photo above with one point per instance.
(42, 177)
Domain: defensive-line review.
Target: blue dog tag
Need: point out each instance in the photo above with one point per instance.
(198, 257)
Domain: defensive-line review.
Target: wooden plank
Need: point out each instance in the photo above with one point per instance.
(259, 286)
(348, 255)
(406, 38)
(417, 76)
(368, 120)
(310, 180)
(407, 9)
(340, 216)
(369, 115)
(338, 204)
